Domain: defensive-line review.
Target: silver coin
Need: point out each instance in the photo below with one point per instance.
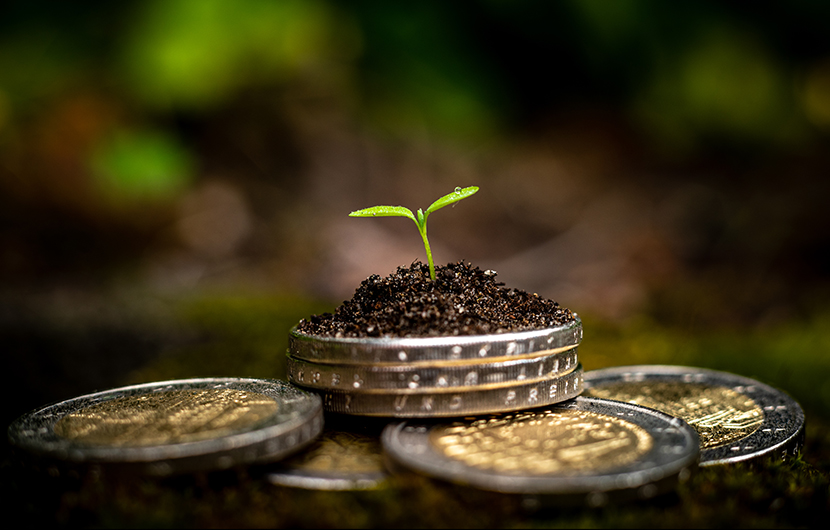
(336, 461)
(470, 401)
(585, 450)
(407, 377)
(737, 418)
(174, 426)
(381, 350)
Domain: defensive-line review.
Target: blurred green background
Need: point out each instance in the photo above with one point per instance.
(175, 179)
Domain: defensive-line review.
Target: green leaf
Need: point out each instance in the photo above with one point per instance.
(451, 198)
(384, 211)
(421, 220)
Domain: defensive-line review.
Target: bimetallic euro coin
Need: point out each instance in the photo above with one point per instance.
(336, 460)
(456, 402)
(417, 378)
(584, 450)
(737, 418)
(431, 350)
(174, 426)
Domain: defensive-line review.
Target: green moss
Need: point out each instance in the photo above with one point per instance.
(230, 336)
(248, 336)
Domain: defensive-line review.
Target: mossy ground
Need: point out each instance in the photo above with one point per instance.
(248, 336)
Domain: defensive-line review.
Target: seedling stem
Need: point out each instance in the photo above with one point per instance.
(421, 219)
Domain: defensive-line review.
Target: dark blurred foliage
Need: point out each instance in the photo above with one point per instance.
(666, 158)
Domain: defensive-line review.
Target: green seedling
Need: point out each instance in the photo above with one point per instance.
(421, 217)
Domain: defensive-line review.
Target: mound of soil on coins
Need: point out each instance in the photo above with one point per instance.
(463, 300)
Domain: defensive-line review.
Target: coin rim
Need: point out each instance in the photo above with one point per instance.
(450, 348)
(297, 421)
(486, 400)
(294, 478)
(785, 443)
(376, 379)
(665, 465)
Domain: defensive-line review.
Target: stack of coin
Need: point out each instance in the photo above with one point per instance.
(439, 376)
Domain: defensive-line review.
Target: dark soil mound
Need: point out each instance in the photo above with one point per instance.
(463, 300)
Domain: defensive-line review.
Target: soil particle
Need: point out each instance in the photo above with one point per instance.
(463, 300)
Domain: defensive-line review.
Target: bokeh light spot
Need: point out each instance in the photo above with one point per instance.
(131, 166)
(816, 94)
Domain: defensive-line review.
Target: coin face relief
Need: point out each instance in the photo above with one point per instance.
(737, 418)
(341, 452)
(566, 442)
(719, 414)
(337, 460)
(174, 426)
(586, 447)
(175, 416)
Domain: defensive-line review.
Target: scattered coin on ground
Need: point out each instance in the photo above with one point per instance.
(174, 426)
(737, 418)
(589, 449)
(336, 460)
